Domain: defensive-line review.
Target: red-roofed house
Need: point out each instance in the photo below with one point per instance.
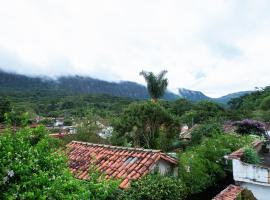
(118, 162)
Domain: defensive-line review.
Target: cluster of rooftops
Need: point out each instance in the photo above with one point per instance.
(128, 164)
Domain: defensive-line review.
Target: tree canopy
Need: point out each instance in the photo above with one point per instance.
(156, 85)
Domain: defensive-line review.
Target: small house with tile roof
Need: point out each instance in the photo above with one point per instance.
(254, 177)
(123, 163)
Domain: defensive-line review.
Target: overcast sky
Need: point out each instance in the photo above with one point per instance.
(215, 46)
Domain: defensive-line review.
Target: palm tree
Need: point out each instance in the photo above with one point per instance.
(156, 85)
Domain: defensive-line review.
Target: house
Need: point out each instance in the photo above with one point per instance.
(106, 132)
(185, 134)
(123, 163)
(59, 121)
(255, 178)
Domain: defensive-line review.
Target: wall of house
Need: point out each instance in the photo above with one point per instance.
(249, 173)
(163, 167)
(259, 191)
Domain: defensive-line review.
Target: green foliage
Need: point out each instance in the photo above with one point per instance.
(246, 195)
(201, 166)
(251, 156)
(145, 124)
(55, 104)
(4, 108)
(254, 105)
(206, 110)
(265, 105)
(203, 112)
(181, 106)
(67, 122)
(207, 129)
(16, 119)
(155, 187)
(156, 85)
(32, 168)
(188, 118)
(47, 122)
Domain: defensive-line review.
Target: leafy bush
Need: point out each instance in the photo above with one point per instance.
(32, 168)
(202, 165)
(246, 195)
(206, 110)
(265, 105)
(4, 108)
(67, 122)
(205, 130)
(155, 187)
(251, 156)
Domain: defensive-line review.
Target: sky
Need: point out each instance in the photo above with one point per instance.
(214, 46)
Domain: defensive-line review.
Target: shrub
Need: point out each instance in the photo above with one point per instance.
(251, 156)
(248, 126)
(205, 130)
(155, 187)
(246, 195)
(32, 168)
(203, 165)
(265, 105)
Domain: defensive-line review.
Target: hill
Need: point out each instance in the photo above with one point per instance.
(10, 82)
(196, 96)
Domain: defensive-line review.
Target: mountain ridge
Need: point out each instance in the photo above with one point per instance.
(196, 96)
(83, 84)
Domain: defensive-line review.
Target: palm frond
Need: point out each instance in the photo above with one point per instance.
(156, 85)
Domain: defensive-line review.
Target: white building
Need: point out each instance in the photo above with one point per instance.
(255, 178)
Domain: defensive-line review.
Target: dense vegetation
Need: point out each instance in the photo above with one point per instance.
(33, 165)
(10, 82)
(255, 105)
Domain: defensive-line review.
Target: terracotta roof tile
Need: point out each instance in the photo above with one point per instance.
(118, 162)
(239, 153)
(229, 193)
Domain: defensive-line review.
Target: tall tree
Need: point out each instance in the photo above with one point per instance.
(4, 108)
(156, 85)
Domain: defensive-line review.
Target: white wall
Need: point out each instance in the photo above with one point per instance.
(164, 167)
(253, 177)
(244, 172)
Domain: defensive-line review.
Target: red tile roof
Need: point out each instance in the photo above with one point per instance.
(239, 153)
(116, 162)
(229, 193)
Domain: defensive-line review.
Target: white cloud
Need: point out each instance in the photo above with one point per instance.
(226, 41)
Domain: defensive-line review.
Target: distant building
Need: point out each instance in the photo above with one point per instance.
(59, 122)
(106, 132)
(185, 133)
(122, 163)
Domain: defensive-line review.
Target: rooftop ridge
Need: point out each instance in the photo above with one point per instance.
(117, 147)
(230, 192)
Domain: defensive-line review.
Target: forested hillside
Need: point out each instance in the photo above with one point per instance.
(10, 82)
(255, 105)
(197, 96)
